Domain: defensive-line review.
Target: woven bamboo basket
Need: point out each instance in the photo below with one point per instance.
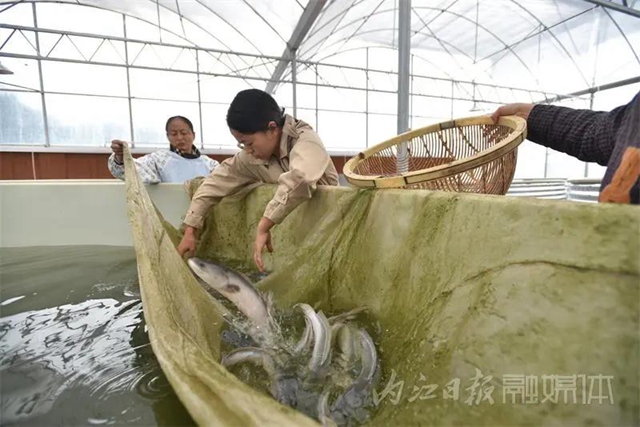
(471, 155)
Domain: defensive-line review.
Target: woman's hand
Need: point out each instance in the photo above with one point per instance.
(263, 239)
(116, 147)
(517, 109)
(188, 243)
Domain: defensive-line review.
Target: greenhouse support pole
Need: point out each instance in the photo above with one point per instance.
(294, 81)
(45, 118)
(126, 61)
(404, 52)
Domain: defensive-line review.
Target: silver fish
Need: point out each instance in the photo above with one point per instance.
(343, 317)
(356, 392)
(254, 355)
(321, 337)
(369, 358)
(305, 340)
(324, 413)
(346, 336)
(283, 387)
(237, 288)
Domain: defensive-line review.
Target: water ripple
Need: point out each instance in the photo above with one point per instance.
(96, 350)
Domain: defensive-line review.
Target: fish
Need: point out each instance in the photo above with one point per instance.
(343, 317)
(324, 413)
(369, 361)
(291, 383)
(255, 355)
(321, 337)
(345, 336)
(237, 288)
(305, 340)
(283, 387)
(356, 392)
(341, 320)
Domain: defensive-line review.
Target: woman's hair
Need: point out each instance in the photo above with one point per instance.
(184, 119)
(252, 110)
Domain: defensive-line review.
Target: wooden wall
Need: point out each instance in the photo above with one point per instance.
(73, 165)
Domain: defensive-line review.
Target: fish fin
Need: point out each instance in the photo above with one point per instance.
(324, 413)
(349, 315)
(269, 302)
(245, 277)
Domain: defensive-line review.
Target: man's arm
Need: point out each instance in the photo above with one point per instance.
(587, 135)
(226, 179)
(308, 160)
(147, 167)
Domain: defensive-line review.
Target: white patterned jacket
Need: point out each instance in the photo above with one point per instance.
(166, 166)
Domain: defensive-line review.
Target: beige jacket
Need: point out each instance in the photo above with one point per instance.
(301, 164)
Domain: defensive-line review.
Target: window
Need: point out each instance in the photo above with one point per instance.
(84, 79)
(166, 85)
(86, 120)
(341, 130)
(21, 120)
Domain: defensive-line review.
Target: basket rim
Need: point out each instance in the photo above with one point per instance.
(518, 124)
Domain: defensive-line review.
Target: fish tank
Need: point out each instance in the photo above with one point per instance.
(484, 310)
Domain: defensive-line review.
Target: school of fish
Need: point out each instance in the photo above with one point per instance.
(328, 371)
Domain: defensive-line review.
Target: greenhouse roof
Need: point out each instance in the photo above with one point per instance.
(510, 42)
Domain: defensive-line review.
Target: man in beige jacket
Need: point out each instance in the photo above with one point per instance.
(276, 149)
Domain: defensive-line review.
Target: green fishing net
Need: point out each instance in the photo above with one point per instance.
(492, 310)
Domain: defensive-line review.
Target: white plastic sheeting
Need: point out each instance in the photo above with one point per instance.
(119, 68)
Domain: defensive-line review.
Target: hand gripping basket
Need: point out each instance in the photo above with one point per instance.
(471, 155)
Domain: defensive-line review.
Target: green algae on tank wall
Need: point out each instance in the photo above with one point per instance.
(473, 292)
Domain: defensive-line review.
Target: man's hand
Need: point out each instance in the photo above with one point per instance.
(517, 109)
(116, 147)
(188, 243)
(263, 239)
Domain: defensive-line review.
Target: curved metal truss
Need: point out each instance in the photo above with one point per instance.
(469, 54)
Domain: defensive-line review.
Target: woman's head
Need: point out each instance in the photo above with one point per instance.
(255, 120)
(180, 133)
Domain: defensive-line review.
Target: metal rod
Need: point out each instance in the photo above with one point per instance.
(199, 101)
(7, 39)
(309, 16)
(546, 161)
(540, 29)
(452, 90)
(411, 97)
(593, 89)
(404, 52)
(617, 7)
(45, 116)
(366, 100)
(122, 39)
(300, 62)
(332, 110)
(294, 81)
(141, 67)
(126, 60)
(159, 24)
(475, 44)
(586, 164)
